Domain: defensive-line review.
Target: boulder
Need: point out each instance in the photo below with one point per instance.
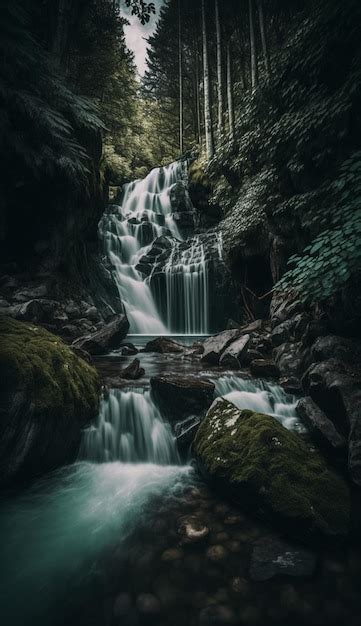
(321, 428)
(272, 471)
(283, 333)
(134, 371)
(336, 389)
(288, 357)
(192, 529)
(272, 557)
(333, 347)
(47, 395)
(162, 345)
(107, 338)
(215, 346)
(264, 368)
(234, 356)
(129, 349)
(180, 397)
(37, 311)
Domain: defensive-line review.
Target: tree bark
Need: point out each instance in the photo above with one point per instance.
(207, 89)
(254, 68)
(219, 69)
(230, 92)
(61, 32)
(263, 37)
(180, 59)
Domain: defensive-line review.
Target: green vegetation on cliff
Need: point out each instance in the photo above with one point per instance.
(272, 470)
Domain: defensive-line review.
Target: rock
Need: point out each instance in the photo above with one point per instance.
(291, 385)
(37, 311)
(272, 471)
(180, 397)
(283, 333)
(273, 557)
(47, 396)
(4, 304)
(106, 339)
(336, 389)
(148, 604)
(321, 428)
(162, 345)
(72, 310)
(134, 371)
(82, 354)
(234, 355)
(186, 431)
(70, 331)
(92, 314)
(122, 605)
(215, 346)
(333, 347)
(129, 350)
(216, 553)
(30, 294)
(288, 358)
(172, 554)
(283, 309)
(217, 615)
(253, 327)
(192, 530)
(264, 368)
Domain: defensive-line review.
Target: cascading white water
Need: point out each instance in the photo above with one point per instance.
(129, 429)
(260, 396)
(144, 215)
(188, 290)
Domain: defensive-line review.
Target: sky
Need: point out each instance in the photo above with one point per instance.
(136, 34)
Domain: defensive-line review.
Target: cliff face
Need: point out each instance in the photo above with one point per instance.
(297, 145)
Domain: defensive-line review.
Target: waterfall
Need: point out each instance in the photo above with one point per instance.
(187, 290)
(145, 214)
(262, 397)
(129, 429)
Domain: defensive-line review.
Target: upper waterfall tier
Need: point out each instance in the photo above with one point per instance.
(136, 233)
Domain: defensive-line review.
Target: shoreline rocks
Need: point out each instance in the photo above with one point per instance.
(107, 338)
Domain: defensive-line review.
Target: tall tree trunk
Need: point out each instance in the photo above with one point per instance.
(180, 53)
(219, 69)
(230, 91)
(61, 32)
(207, 89)
(254, 68)
(263, 36)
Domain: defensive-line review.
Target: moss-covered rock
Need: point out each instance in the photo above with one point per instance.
(272, 471)
(47, 395)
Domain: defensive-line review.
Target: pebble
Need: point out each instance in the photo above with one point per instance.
(122, 605)
(215, 615)
(192, 530)
(172, 554)
(148, 604)
(216, 553)
(240, 585)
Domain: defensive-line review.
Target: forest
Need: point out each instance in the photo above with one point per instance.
(180, 312)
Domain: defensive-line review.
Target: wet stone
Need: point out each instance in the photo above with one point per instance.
(216, 553)
(172, 554)
(215, 615)
(192, 530)
(148, 604)
(273, 557)
(122, 605)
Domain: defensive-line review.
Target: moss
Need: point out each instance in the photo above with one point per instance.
(57, 382)
(275, 468)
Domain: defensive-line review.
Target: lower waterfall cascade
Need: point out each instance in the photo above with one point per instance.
(130, 429)
(144, 215)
